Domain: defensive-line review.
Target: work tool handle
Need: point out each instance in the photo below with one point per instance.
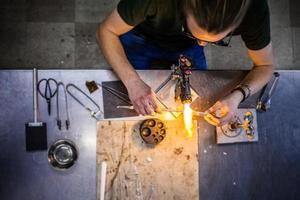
(35, 114)
(49, 107)
(274, 84)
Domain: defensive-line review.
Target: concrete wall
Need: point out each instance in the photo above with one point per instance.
(285, 29)
(61, 34)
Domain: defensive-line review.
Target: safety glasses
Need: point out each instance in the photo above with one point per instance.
(225, 42)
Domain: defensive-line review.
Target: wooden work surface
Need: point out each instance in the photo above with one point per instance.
(136, 170)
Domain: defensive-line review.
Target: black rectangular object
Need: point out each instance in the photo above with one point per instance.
(36, 137)
(110, 101)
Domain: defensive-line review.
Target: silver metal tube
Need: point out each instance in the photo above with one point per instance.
(35, 95)
(273, 85)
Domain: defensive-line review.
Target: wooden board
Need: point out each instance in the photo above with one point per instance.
(136, 170)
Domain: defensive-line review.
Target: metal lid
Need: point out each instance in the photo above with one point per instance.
(62, 154)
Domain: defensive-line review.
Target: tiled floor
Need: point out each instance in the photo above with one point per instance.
(295, 13)
(61, 34)
(87, 52)
(50, 11)
(50, 45)
(296, 46)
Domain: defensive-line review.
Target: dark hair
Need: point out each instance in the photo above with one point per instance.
(216, 16)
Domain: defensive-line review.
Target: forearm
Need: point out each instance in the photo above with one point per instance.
(255, 79)
(114, 54)
(258, 77)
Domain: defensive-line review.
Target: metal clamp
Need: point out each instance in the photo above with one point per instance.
(95, 114)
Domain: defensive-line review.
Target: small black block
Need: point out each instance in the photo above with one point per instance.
(36, 137)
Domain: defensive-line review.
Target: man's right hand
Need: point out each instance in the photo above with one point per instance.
(142, 97)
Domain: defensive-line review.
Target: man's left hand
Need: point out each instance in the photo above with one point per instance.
(223, 111)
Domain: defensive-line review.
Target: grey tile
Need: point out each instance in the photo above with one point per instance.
(12, 45)
(87, 53)
(296, 48)
(279, 13)
(282, 46)
(93, 11)
(295, 13)
(50, 45)
(231, 58)
(12, 11)
(50, 10)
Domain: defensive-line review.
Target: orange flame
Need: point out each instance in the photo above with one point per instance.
(188, 119)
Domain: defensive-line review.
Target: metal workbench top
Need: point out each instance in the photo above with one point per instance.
(265, 170)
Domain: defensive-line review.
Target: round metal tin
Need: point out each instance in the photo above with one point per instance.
(62, 154)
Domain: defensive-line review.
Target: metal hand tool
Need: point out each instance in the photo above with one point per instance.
(58, 120)
(96, 114)
(50, 89)
(36, 132)
(117, 93)
(93, 86)
(184, 72)
(181, 73)
(264, 100)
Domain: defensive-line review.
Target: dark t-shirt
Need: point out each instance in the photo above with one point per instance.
(160, 22)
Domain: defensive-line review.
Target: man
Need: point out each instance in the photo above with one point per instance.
(140, 31)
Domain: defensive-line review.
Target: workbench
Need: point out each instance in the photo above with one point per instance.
(268, 169)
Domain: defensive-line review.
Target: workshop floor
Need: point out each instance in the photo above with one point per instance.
(61, 34)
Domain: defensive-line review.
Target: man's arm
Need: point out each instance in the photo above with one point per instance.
(108, 34)
(108, 39)
(263, 68)
(256, 79)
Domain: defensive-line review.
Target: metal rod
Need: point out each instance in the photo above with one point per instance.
(199, 114)
(124, 97)
(162, 109)
(163, 83)
(57, 103)
(276, 74)
(35, 95)
(195, 113)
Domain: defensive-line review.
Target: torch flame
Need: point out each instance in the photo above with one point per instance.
(188, 119)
